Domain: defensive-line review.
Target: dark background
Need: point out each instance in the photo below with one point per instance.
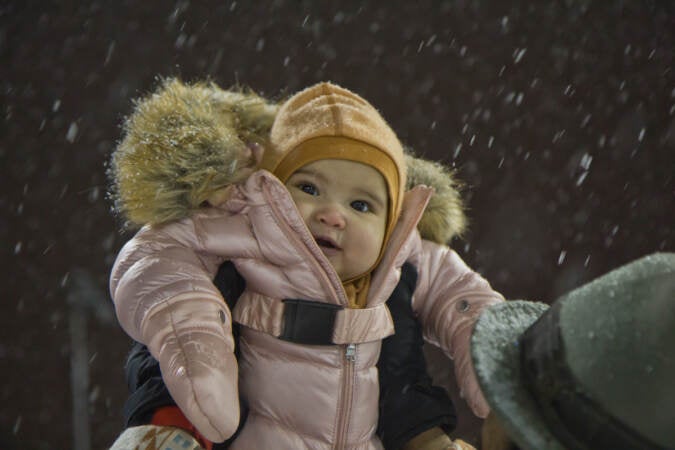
(558, 115)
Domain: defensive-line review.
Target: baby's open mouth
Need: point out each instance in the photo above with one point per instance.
(327, 243)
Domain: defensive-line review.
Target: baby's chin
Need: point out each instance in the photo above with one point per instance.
(350, 275)
(337, 259)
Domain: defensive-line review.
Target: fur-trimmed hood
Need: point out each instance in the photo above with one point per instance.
(186, 141)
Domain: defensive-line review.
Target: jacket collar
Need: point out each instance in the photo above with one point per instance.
(262, 189)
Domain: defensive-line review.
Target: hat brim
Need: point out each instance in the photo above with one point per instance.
(496, 359)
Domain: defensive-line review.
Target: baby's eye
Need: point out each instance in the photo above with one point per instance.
(308, 188)
(361, 206)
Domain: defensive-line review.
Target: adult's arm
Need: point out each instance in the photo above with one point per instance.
(448, 300)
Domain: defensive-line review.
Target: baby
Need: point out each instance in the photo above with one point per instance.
(320, 234)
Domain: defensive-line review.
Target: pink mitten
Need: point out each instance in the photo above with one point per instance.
(192, 340)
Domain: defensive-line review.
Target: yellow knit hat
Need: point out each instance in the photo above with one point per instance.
(326, 121)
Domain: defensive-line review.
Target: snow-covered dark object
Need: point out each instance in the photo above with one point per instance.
(616, 336)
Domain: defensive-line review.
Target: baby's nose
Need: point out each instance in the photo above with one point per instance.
(332, 217)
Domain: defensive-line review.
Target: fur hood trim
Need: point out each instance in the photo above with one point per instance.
(182, 143)
(444, 217)
(186, 141)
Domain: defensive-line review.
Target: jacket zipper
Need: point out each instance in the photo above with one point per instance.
(337, 291)
(345, 407)
(344, 410)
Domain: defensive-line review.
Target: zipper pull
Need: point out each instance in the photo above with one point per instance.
(350, 352)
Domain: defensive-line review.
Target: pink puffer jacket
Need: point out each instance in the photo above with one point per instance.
(300, 396)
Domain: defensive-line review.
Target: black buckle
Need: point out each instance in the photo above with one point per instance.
(308, 322)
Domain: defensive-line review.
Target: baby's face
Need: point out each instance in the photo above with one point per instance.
(344, 205)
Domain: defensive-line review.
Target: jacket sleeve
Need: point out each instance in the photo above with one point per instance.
(156, 265)
(448, 300)
(148, 393)
(164, 296)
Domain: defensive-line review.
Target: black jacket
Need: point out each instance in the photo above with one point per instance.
(409, 404)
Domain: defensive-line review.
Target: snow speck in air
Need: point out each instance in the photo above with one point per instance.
(586, 119)
(109, 53)
(561, 257)
(505, 24)
(71, 135)
(557, 136)
(458, 148)
(518, 54)
(586, 160)
(93, 194)
(64, 280)
(17, 425)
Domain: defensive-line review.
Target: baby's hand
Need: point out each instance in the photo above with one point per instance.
(459, 444)
(192, 340)
(436, 439)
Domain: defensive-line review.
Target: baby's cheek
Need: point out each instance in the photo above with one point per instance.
(371, 244)
(303, 209)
